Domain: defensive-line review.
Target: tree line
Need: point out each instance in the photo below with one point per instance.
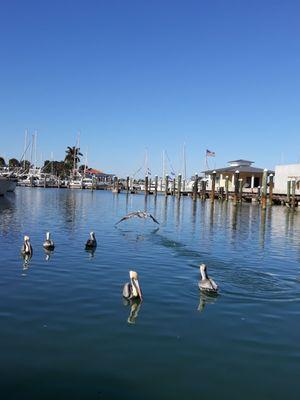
(58, 168)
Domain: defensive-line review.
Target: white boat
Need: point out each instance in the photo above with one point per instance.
(75, 184)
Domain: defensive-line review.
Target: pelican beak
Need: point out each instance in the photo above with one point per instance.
(138, 289)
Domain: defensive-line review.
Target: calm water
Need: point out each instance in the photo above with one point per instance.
(65, 331)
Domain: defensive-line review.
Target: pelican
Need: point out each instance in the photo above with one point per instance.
(48, 244)
(139, 214)
(131, 290)
(207, 284)
(26, 249)
(91, 242)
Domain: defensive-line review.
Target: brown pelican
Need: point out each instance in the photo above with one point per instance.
(139, 214)
(131, 290)
(91, 242)
(48, 244)
(26, 249)
(207, 284)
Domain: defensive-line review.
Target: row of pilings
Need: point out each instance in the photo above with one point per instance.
(177, 187)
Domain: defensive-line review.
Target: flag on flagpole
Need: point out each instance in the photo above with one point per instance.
(210, 153)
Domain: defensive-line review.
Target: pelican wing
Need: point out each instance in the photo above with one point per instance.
(153, 219)
(128, 216)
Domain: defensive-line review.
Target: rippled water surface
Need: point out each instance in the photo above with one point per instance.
(65, 331)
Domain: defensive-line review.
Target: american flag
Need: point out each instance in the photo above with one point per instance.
(210, 153)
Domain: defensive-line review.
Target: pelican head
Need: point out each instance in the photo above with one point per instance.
(92, 235)
(26, 238)
(203, 271)
(48, 236)
(136, 290)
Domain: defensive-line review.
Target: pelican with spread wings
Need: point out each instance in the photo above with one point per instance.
(138, 214)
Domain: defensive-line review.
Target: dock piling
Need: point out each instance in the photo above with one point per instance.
(213, 186)
(195, 187)
(271, 187)
(236, 187)
(179, 186)
(166, 185)
(155, 185)
(226, 188)
(264, 189)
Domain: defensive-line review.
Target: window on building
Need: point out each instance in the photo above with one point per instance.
(256, 182)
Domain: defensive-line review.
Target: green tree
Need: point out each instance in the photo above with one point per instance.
(72, 157)
(2, 162)
(13, 163)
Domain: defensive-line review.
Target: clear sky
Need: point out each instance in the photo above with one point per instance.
(130, 75)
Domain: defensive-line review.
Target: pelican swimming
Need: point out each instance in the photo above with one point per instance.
(26, 249)
(131, 290)
(207, 284)
(48, 243)
(138, 214)
(91, 242)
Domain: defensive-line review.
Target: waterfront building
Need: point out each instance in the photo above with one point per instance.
(251, 176)
(285, 173)
(101, 176)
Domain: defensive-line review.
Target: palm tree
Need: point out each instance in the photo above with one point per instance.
(72, 157)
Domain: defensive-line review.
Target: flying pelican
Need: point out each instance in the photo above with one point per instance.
(48, 244)
(139, 214)
(207, 284)
(91, 242)
(26, 249)
(131, 290)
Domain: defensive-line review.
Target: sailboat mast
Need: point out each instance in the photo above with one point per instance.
(35, 149)
(25, 148)
(163, 164)
(184, 162)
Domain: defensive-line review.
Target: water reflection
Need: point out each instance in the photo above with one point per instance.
(135, 305)
(91, 252)
(26, 261)
(207, 298)
(48, 254)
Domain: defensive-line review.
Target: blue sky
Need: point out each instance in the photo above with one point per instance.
(136, 75)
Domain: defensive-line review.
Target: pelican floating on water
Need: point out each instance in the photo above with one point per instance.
(207, 284)
(138, 214)
(48, 244)
(131, 290)
(26, 249)
(91, 242)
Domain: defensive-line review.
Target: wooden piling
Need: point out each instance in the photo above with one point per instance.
(240, 190)
(226, 188)
(155, 185)
(264, 189)
(173, 186)
(288, 192)
(213, 186)
(271, 187)
(236, 187)
(203, 189)
(146, 185)
(166, 185)
(127, 184)
(293, 184)
(179, 186)
(195, 187)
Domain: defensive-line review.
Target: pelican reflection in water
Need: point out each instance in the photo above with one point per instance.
(206, 298)
(135, 305)
(48, 254)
